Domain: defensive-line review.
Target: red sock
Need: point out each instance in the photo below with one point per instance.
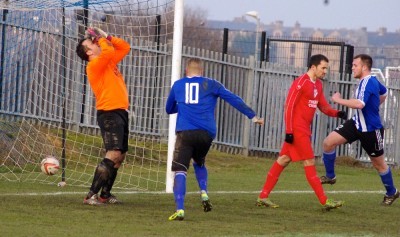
(272, 178)
(315, 183)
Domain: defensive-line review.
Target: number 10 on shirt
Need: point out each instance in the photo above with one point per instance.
(192, 93)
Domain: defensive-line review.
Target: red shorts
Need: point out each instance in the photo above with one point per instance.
(301, 148)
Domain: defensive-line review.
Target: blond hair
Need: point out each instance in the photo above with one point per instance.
(194, 66)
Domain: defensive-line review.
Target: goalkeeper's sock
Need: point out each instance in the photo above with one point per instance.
(180, 190)
(101, 174)
(271, 180)
(201, 175)
(329, 163)
(387, 181)
(106, 190)
(315, 183)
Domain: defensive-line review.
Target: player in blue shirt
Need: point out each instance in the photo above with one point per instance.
(365, 126)
(194, 98)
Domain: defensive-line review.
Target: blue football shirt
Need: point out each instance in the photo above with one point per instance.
(368, 92)
(195, 99)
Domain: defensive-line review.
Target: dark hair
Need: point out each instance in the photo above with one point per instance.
(81, 50)
(365, 59)
(315, 60)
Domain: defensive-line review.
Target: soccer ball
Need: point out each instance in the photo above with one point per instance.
(50, 165)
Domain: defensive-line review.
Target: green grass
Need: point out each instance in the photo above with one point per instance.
(28, 209)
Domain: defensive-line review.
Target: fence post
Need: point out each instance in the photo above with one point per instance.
(397, 136)
(249, 99)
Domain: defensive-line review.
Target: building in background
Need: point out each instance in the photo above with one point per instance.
(382, 45)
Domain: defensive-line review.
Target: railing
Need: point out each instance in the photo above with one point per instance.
(32, 87)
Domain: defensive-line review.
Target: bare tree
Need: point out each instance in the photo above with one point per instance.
(197, 35)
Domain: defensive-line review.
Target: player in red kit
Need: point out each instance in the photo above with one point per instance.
(304, 97)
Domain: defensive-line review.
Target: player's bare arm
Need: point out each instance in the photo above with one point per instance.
(351, 103)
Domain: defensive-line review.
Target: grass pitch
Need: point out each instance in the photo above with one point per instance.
(32, 209)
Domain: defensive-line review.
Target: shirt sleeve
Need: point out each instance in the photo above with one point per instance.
(292, 98)
(121, 47)
(325, 107)
(100, 63)
(382, 89)
(171, 106)
(233, 100)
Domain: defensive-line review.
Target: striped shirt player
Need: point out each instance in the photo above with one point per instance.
(365, 126)
(194, 98)
(368, 93)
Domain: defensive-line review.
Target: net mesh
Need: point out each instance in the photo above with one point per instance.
(47, 106)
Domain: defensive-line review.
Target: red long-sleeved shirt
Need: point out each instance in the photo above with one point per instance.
(304, 97)
(105, 79)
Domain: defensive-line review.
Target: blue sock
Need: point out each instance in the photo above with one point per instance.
(201, 175)
(329, 162)
(180, 189)
(387, 181)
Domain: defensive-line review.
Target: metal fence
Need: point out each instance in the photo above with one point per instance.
(38, 84)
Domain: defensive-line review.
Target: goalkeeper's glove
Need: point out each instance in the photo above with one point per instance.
(95, 34)
(102, 33)
(289, 138)
(90, 33)
(342, 114)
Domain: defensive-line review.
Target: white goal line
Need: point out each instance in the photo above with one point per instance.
(211, 192)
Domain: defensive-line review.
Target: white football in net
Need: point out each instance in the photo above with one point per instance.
(50, 165)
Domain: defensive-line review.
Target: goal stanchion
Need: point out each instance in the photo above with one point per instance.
(176, 70)
(47, 106)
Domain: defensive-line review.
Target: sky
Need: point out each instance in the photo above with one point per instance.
(337, 14)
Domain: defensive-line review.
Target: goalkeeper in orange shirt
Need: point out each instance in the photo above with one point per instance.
(103, 52)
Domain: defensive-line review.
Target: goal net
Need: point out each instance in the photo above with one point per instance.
(46, 103)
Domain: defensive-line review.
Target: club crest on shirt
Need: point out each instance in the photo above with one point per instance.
(315, 92)
(298, 87)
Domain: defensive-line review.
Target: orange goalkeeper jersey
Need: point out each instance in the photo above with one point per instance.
(105, 79)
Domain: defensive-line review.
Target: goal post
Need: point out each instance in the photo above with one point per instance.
(175, 74)
(48, 108)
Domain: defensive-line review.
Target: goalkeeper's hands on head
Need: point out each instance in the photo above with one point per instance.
(95, 34)
(103, 33)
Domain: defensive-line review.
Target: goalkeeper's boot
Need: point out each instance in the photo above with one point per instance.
(388, 200)
(93, 201)
(179, 215)
(327, 180)
(265, 202)
(331, 204)
(205, 201)
(111, 199)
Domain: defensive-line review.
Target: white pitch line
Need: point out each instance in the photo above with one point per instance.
(211, 192)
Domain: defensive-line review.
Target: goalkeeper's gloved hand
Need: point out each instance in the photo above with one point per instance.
(92, 34)
(342, 114)
(289, 138)
(102, 33)
(95, 34)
